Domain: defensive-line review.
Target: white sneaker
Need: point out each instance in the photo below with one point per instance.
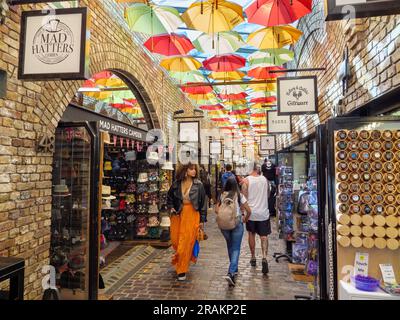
(182, 277)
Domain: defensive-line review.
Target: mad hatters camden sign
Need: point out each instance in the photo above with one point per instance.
(53, 44)
(350, 9)
(297, 95)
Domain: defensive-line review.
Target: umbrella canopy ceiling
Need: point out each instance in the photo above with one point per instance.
(169, 44)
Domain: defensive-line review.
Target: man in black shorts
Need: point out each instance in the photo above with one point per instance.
(256, 189)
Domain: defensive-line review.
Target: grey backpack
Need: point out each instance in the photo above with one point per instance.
(227, 218)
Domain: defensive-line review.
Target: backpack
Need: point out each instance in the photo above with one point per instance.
(227, 218)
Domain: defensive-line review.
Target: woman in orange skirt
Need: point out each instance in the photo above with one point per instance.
(187, 202)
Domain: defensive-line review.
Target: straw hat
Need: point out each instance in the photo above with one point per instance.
(107, 138)
(106, 193)
(165, 222)
(168, 166)
(152, 157)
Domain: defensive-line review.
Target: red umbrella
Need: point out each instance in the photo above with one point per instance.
(220, 119)
(236, 112)
(169, 44)
(233, 96)
(89, 84)
(263, 100)
(264, 73)
(102, 75)
(271, 13)
(197, 90)
(225, 63)
(212, 107)
(258, 115)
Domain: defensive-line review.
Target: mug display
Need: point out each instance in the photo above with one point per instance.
(368, 188)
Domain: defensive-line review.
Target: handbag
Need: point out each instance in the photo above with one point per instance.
(196, 249)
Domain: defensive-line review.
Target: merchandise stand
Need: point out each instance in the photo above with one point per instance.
(363, 170)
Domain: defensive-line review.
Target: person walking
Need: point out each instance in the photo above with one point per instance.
(256, 189)
(228, 173)
(205, 180)
(187, 203)
(234, 236)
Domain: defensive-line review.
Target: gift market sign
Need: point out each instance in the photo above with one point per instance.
(297, 95)
(54, 44)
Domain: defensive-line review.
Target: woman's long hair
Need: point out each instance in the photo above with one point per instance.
(182, 169)
(232, 187)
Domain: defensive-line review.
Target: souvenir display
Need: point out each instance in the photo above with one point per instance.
(285, 203)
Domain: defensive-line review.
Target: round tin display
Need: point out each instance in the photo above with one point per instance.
(366, 198)
(376, 135)
(364, 135)
(388, 156)
(341, 155)
(366, 187)
(353, 166)
(353, 155)
(397, 134)
(341, 135)
(390, 188)
(365, 156)
(387, 135)
(354, 187)
(388, 145)
(376, 155)
(389, 167)
(342, 166)
(376, 145)
(342, 176)
(364, 145)
(342, 145)
(377, 187)
(354, 176)
(377, 166)
(377, 177)
(365, 166)
(390, 198)
(355, 198)
(366, 177)
(343, 186)
(390, 210)
(378, 198)
(378, 209)
(355, 208)
(343, 208)
(352, 135)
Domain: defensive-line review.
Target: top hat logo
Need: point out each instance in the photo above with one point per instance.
(53, 42)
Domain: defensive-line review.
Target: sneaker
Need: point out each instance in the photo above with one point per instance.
(230, 279)
(182, 277)
(253, 262)
(265, 269)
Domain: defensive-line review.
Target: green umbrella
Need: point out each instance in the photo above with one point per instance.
(270, 57)
(185, 77)
(151, 19)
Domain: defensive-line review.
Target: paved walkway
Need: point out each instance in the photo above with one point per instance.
(157, 280)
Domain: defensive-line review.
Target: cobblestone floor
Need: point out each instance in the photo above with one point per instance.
(205, 281)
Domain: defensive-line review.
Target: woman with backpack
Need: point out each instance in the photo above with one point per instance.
(230, 220)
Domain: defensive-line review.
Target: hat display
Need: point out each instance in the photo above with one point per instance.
(164, 186)
(153, 208)
(165, 222)
(108, 166)
(106, 205)
(107, 138)
(153, 222)
(61, 189)
(106, 193)
(153, 187)
(130, 198)
(153, 176)
(168, 166)
(143, 177)
(152, 157)
(165, 235)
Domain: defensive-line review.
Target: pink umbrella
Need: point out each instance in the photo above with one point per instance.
(225, 63)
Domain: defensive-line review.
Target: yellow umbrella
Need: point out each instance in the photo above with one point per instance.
(262, 106)
(274, 37)
(110, 82)
(99, 95)
(180, 64)
(213, 16)
(236, 102)
(268, 86)
(218, 113)
(233, 75)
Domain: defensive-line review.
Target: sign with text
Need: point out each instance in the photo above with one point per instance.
(267, 143)
(215, 147)
(277, 123)
(228, 154)
(351, 9)
(297, 95)
(54, 45)
(121, 130)
(388, 274)
(361, 264)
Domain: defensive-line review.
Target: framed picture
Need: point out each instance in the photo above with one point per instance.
(277, 123)
(215, 147)
(228, 154)
(297, 95)
(339, 9)
(268, 143)
(189, 131)
(188, 152)
(54, 46)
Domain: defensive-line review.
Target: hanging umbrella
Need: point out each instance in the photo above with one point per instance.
(258, 115)
(151, 19)
(238, 112)
(224, 63)
(277, 12)
(264, 73)
(263, 106)
(232, 89)
(180, 64)
(268, 86)
(227, 76)
(218, 113)
(102, 75)
(233, 96)
(270, 57)
(261, 94)
(110, 82)
(211, 16)
(89, 84)
(101, 96)
(219, 43)
(197, 90)
(274, 37)
(263, 100)
(169, 44)
(187, 77)
(212, 107)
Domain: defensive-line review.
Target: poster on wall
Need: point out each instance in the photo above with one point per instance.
(297, 95)
(189, 131)
(54, 45)
(351, 9)
(228, 154)
(267, 143)
(215, 147)
(277, 123)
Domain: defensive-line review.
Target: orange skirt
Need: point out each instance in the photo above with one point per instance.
(184, 231)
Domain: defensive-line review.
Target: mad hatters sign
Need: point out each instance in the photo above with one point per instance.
(351, 9)
(297, 95)
(53, 45)
(277, 123)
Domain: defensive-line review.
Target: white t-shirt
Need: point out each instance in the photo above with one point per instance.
(258, 198)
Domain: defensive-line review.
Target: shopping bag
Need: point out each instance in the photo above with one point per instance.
(196, 249)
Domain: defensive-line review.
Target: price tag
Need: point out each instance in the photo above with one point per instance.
(388, 274)
(361, 264)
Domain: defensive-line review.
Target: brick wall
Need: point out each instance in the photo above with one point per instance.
(374, 49)
(31, 108)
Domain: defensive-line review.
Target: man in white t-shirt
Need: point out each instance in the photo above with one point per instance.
(256, 189)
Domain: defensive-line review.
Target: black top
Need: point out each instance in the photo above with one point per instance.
(269, 172)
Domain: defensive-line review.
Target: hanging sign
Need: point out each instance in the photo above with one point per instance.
(215, 147)
(351, 9)
(268, 143)
(297, 95)
(189, 131)
(278, 124)
(54, 45)
(227, 154)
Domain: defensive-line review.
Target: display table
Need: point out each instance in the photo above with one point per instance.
(13, 269)
(348, 292)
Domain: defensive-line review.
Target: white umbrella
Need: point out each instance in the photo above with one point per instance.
(219, 43)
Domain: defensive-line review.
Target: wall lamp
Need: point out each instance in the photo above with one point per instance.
(178, 112)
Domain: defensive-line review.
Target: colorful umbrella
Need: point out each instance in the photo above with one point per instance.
(218, 113)
(197, 90)
(268, 86)
(233, 96)
(212, 107)
(151, 19)
(274, 37)
(227, 76)
(211, 16)
(224, 63)
(270, 57)
(180, 64)
(258, 115)
(102, 75)
(277, 12)
(264, 73)
(110, 82)
(169, 44)
(219, 43)
(187, 77)
(237, 112)
(263, 100)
